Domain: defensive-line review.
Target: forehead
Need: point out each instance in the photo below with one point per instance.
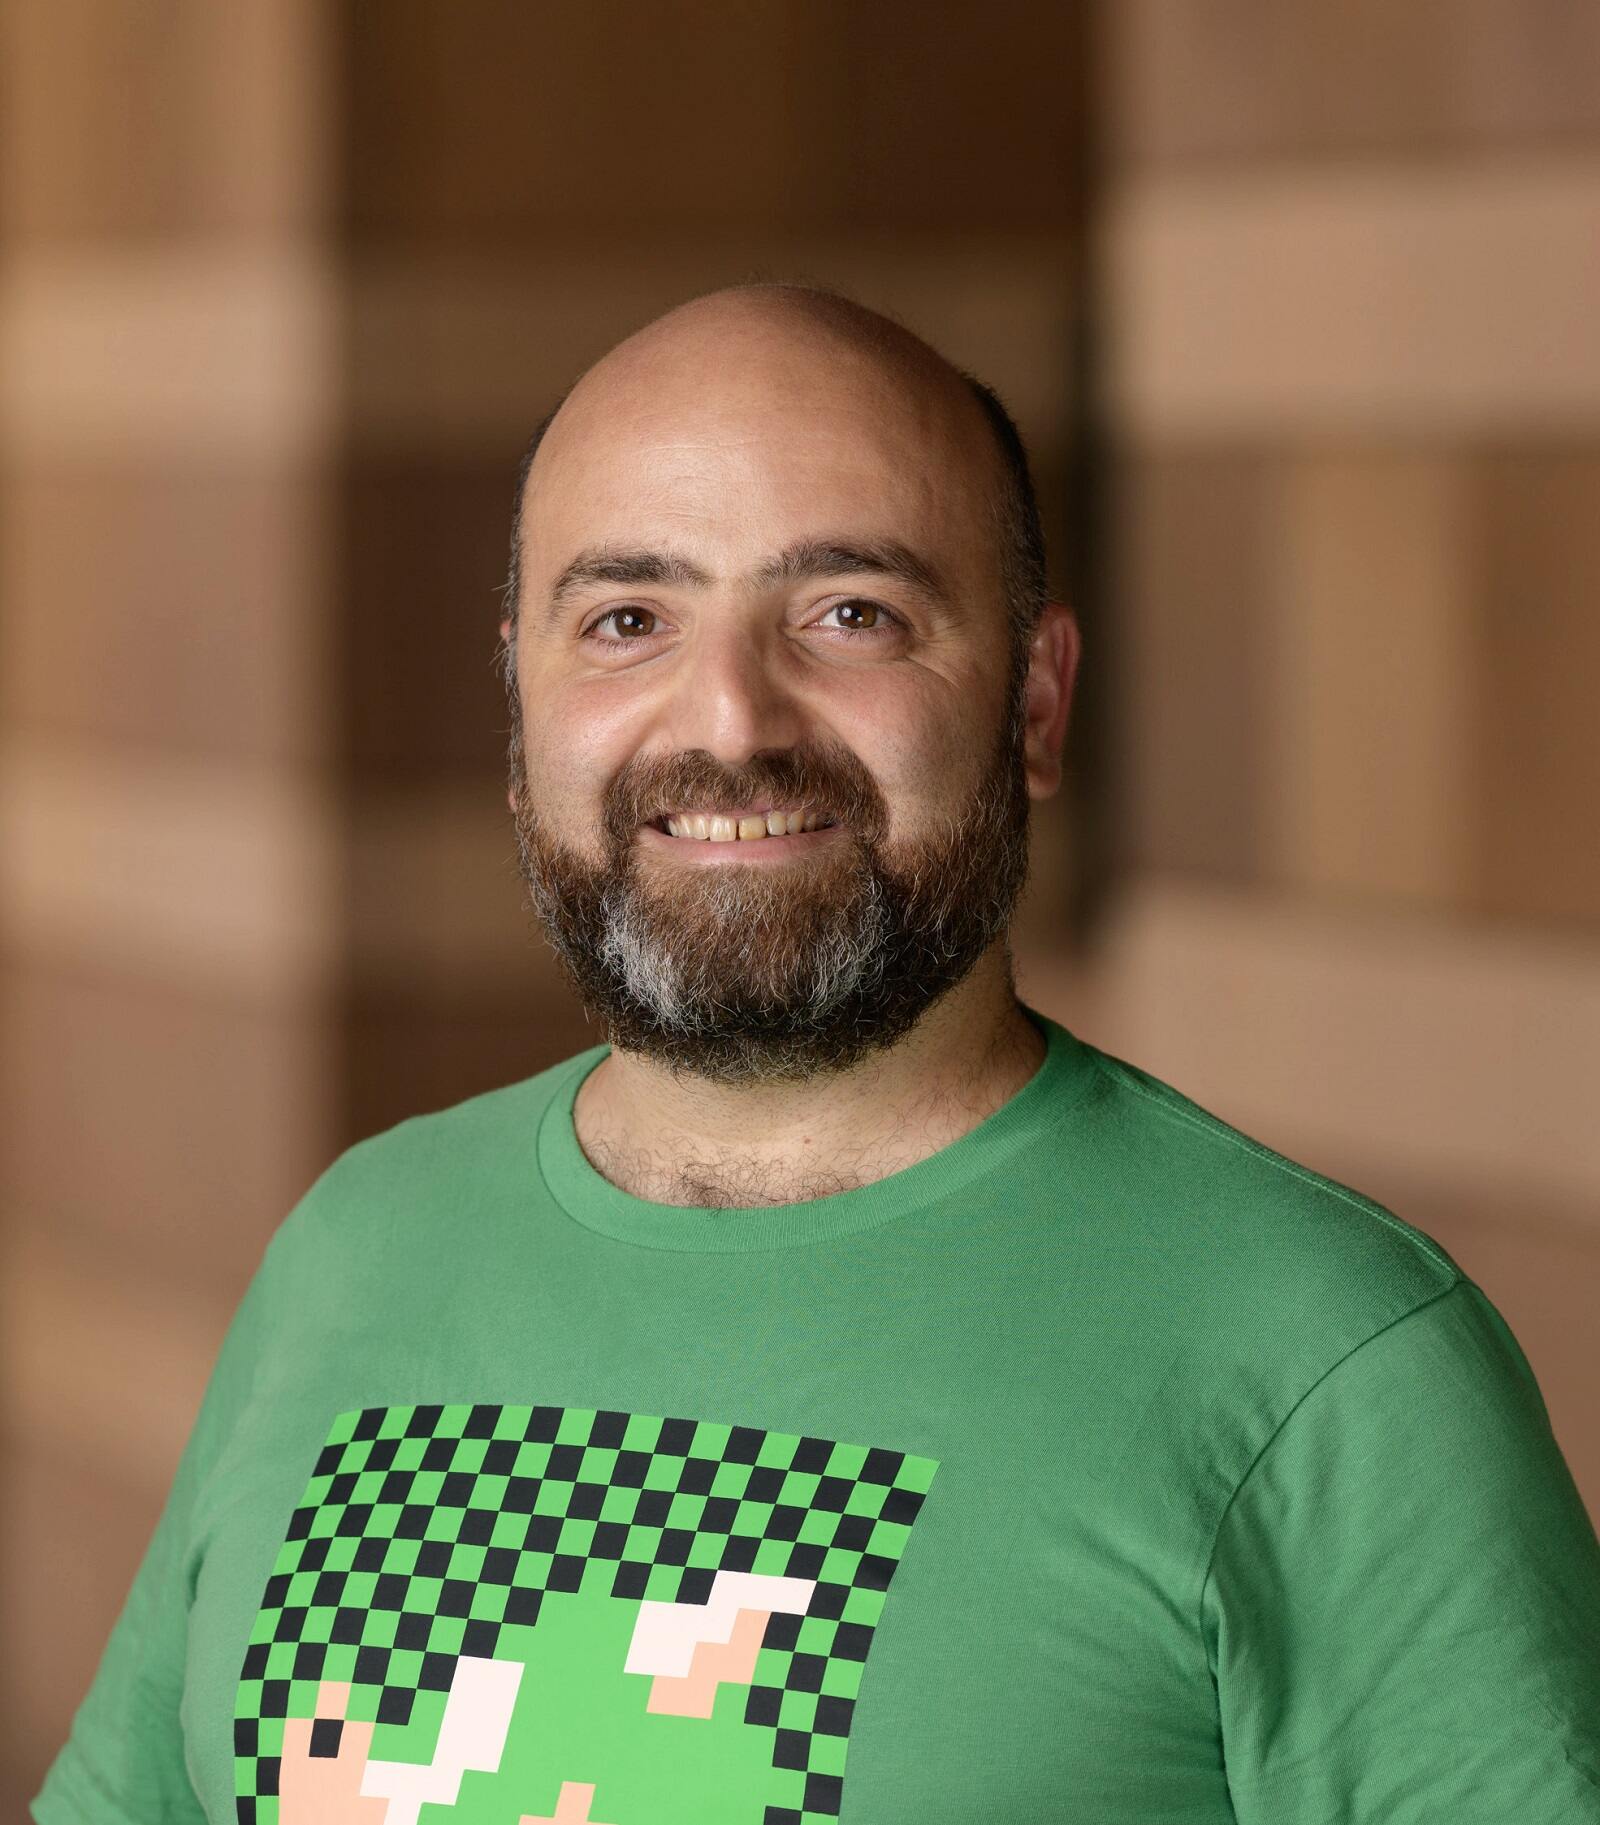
(739, 456)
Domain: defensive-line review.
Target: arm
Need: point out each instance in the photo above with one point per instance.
(1403, 1605)
(123, 1762)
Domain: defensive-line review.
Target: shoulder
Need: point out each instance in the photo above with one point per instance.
(426, 1169)
(1268, 1242)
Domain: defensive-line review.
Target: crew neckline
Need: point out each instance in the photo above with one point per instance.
(589, 1198)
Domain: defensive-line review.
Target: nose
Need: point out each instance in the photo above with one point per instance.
(728, 695)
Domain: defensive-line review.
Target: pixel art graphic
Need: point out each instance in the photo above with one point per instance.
(502, 1615)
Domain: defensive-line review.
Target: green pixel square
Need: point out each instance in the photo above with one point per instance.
(318, 1625)
(777, 1449)
(797, 1710)
(378, 1628)
(598, 1464)
(469, 1455)
(445, 1634)
(400, 1555)
(422, 1599)
(916, 1474)
(863, 1606)
(466, 1560)
(508, 1529)
(489, 1491)
(343, 1425)
(705, 1551)
(575, 1425)
(711, 1438)
(661, 1583)
(828, 1754)
(641, 1433)
(619, 1503)
(772, 1558)
(847, 1460)
(731, 1480)
(533, 1457)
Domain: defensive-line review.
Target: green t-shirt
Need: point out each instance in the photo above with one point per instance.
(1104, 1466)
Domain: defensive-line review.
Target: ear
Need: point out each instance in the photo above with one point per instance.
(1052, 671)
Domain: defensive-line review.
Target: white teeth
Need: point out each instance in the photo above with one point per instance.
(705, 827)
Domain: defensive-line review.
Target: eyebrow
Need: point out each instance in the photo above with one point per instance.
(806, 558)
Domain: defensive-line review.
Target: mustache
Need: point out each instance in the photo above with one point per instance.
(830, 780)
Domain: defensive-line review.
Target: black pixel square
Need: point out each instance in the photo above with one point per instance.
(763, 1706)
(610, 1537)
(833, 1715)
(631, 1580)
(566, 1573)
(811, 1456)
(586, 1500)
(695, 1584)
(480, 1638)
(791, 1749)
(881, 1466)
(783, 1629)
(902, 1506)
(394, 1705)
(874, 1572)
(455, 1597)
(677, 1437)
(565, 1463)
(609, 1428)
(522, 1606)
(411, 1632)
(823, 1792)
(630, 1469)
(325, 1734)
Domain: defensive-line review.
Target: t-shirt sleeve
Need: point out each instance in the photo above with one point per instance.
(123, 1761)
(1403, 1605)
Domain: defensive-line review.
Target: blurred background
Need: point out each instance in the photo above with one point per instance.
(1297, 308)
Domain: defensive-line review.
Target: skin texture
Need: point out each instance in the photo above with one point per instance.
(730, 429)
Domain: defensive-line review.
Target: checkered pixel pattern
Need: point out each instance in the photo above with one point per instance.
(424, 1531)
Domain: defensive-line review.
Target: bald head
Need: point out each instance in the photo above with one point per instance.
(791, 347)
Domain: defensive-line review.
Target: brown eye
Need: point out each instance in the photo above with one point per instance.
(628, 622)
(860, 616)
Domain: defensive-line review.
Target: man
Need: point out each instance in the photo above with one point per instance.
(847, 1393)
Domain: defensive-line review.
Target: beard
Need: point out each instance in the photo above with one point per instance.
(739, 974)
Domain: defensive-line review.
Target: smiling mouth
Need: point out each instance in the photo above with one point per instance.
(749, 827)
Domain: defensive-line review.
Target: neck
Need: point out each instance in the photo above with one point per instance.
(682, 1140)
